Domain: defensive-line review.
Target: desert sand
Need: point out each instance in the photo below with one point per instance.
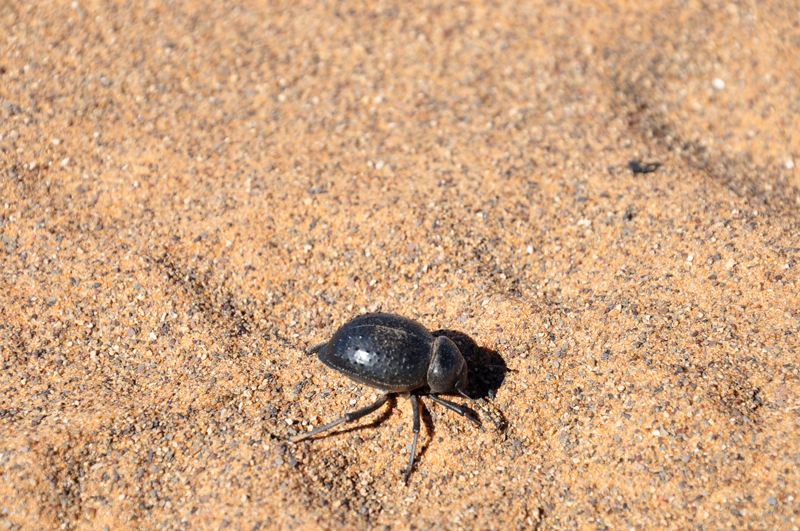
(194, 193)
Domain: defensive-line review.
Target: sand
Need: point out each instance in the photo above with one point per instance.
(193, 193)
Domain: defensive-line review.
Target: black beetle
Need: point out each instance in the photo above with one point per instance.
(394, 355)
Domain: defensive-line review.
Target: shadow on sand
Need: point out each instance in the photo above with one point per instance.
(487, 370)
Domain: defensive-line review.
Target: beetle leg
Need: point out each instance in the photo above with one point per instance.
(415, 407)
(455, 407)
(348, 417)
(497, 424)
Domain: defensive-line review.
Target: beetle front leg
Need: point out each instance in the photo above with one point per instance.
(455, 407)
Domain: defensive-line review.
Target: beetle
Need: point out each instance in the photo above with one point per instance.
(394, 355)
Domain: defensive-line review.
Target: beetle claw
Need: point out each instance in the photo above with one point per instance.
(485, 412)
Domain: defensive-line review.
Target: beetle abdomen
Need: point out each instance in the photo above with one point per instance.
(392, 356)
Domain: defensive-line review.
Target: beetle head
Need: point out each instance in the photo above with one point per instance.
(447, 372)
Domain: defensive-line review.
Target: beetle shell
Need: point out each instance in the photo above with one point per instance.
(384, 351)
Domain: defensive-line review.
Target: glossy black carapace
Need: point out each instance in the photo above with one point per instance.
(395, 355)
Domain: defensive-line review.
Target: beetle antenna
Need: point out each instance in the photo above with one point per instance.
(479, 406)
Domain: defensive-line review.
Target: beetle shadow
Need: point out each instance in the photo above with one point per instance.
(486, 369)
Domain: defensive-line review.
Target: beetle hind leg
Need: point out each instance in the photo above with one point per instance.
(415, 406)
(348, 417)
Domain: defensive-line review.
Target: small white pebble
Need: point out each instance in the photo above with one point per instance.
(718, 84)
(789, 164)
(530, 249)
(730, 263)
(656, 433)
(690, 258)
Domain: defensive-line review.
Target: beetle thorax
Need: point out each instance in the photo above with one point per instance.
(448, 370)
